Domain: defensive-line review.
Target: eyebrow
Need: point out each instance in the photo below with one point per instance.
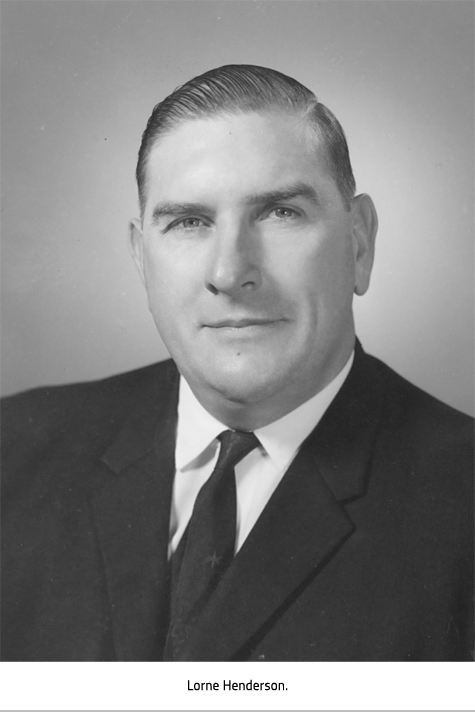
(174, 209)
(283, 194)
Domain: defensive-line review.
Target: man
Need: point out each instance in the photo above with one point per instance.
(339, 528)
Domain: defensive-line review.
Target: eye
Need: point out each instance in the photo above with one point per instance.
(284, 213)
(188, 224)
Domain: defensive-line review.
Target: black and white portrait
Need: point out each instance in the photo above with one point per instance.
(237, 331)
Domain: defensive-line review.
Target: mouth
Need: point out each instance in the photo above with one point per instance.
(239, 323)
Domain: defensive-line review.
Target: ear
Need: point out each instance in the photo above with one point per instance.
(364, 229)
(136, 245)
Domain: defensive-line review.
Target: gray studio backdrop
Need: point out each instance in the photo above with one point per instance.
(79, 81)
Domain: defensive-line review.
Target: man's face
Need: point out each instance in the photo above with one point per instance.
(250, 259)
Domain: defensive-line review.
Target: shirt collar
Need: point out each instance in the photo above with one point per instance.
(281, 439)
(196, 427)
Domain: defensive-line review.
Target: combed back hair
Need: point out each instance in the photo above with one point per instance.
(234, 89)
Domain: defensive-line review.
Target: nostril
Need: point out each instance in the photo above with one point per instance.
(232, 273)
(211, 287)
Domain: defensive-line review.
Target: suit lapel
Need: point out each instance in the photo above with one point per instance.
(342, 443)
(302, 527)
(131, 512)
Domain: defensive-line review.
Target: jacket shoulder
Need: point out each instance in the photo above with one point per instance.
(35, 416)
(415, 408)
(435, 439)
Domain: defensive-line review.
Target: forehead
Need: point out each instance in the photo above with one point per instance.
(238, 153)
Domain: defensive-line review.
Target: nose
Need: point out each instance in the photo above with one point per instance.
(234, 266)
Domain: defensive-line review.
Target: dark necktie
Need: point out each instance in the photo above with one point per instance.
(207, 547)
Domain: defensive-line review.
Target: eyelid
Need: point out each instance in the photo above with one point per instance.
(179, 220)
(286, 207)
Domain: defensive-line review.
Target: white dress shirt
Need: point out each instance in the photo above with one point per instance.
(257, 475)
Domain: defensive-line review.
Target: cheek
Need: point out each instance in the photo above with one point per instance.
(163, 298)
(171, 285)
(165, 277)
(322, 283)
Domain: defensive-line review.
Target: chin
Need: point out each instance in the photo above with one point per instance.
(244, 385)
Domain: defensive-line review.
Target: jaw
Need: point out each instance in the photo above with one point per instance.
(248, 389)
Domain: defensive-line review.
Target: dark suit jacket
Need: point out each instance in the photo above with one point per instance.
(364, 551)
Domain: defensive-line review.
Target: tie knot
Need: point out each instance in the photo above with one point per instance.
(234, 446)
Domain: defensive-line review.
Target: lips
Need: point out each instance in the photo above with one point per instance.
(239, 323)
